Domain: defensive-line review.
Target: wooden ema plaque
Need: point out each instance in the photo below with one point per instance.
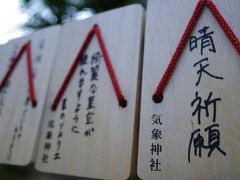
(194, 132)
(85, 131)
(19, 120)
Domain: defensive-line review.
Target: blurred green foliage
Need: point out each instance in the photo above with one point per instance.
(43, 13)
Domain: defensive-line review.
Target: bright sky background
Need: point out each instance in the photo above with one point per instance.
(11, 20)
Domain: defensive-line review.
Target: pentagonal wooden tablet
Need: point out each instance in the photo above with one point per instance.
(194, 132)
(89, 134)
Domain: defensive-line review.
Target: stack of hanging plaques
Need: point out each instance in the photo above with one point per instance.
(87, 129)
(19, 120)
(194, 132)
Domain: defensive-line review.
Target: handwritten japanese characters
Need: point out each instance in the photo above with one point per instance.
(206, 106)
(95, 65)
(88, 70)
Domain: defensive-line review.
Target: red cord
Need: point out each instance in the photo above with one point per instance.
(158, 96)
(72, 70)
(95, 29)
(26, 47)
(221, 21)
(121, 99)
(30, 75)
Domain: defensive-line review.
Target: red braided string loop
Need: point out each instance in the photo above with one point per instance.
(121, 99)
(158, 96)
(224, 25)
(94, 30)
(26, 47)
